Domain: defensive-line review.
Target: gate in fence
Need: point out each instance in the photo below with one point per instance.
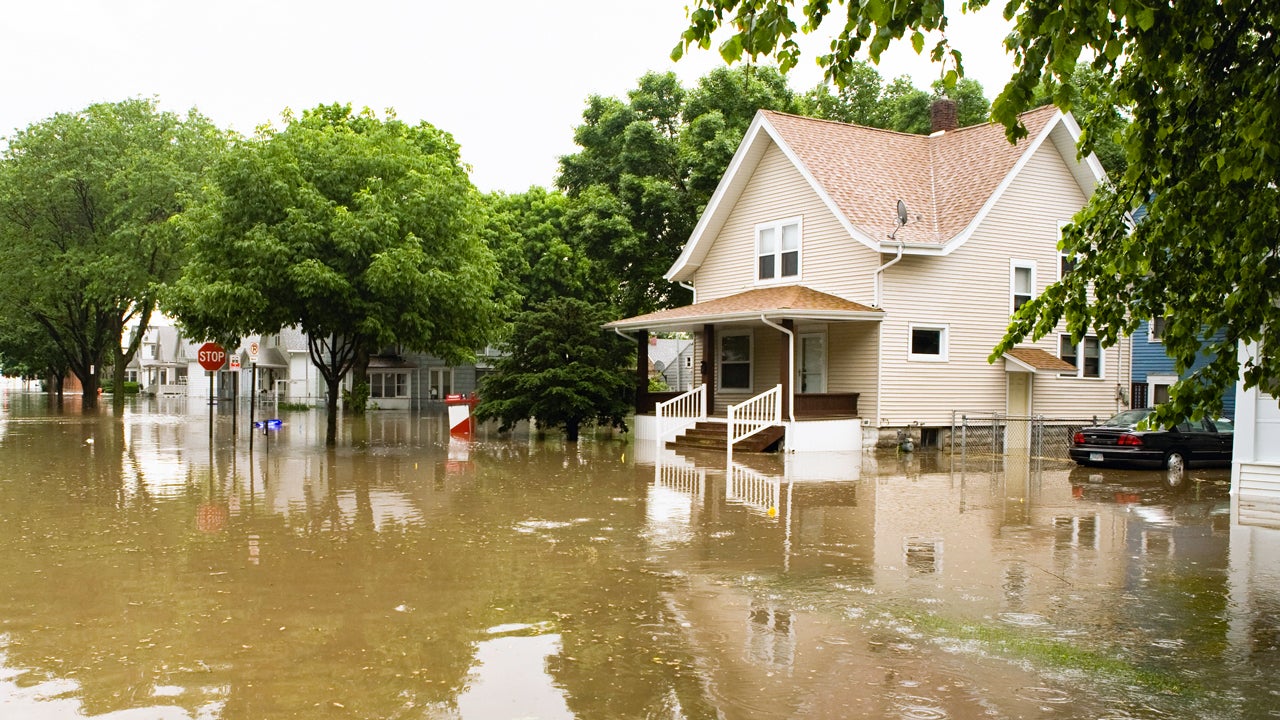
(1003, 434)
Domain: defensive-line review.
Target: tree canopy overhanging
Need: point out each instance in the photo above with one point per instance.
(1202, 152)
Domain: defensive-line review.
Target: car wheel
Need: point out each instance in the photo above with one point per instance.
(1175, 471)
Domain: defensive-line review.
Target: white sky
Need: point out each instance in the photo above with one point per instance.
(508, 78)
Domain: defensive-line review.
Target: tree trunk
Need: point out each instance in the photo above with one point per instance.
(571, 431)
(90, 386)
(334, 384)
(117, 385)
(359, 384)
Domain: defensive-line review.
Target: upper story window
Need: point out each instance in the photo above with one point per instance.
(1155, 329)
(778, 250)
(1086, 356)
(1066, 263)
(1022, 282)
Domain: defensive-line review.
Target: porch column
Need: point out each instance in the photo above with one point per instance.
(642, 371)
(785, 372)
(709, 365)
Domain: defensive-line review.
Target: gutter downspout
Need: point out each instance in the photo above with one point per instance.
(879, 276)
(691, 289)
(879, 292)
(791, 360)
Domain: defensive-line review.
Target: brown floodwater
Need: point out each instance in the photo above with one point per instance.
(155, 566)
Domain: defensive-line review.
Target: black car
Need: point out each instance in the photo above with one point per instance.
(1120, 443)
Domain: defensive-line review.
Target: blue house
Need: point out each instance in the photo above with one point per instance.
(1153, 370)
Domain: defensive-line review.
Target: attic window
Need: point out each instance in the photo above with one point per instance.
(778, 250)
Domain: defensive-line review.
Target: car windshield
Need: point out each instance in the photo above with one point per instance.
(1128, 418)
(1224, 426)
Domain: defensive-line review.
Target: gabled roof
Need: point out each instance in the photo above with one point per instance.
(775, 303)
(948, 181)
(1036, 360)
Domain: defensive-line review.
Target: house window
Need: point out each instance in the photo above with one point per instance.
(735, 361)
(1086, 356)
(1159, 387)
(439, 382)
(388, 384)
(1022, 282)
(1155, 329)
(1066, 263)
(928, 343)
(778, 250)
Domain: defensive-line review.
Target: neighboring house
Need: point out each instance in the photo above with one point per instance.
(279, 367)
(672, 361)
(1255, 467)
(804, 277)
(1153, 371)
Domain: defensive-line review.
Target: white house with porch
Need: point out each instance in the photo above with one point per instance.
(850, 283)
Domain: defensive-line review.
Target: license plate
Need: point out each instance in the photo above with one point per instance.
(1095, 457)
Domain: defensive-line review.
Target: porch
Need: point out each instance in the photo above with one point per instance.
(817, 354)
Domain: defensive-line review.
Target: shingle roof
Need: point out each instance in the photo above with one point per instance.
(1037, 359)
(944, 179)
(775, 302)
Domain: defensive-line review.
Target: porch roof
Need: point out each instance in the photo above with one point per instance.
(791, 302)
(1034, 360)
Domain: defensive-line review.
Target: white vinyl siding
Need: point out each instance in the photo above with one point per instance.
(830, 260)
(968, 291)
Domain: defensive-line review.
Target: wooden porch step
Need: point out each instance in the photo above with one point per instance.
(712, 436)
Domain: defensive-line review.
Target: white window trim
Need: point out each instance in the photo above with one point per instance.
(1153, 381)
(944, 343)
(1151, 333)
(1079, 374)
(751, 361)
(408, 387)
(1014, 266)
(778, 278)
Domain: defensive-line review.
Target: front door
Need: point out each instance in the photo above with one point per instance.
(811, 366)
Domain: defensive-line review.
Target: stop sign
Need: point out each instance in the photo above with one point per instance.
(211, 356)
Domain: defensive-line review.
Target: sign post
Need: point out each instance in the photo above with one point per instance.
(211, 356)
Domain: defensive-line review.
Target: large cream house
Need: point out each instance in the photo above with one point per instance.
(806, 280)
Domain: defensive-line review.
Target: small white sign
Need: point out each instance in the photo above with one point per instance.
(253, 351)
(235, 362)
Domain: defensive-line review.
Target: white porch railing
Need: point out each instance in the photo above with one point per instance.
(750, 417)
(680, 412)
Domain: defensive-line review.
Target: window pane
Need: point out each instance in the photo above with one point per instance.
(1068, 264)
(1067, 349)
(1022, 280)
(735, 375)
(1157, 328)
(735, 348)
(767, 244)
(766, 267)
(1160, 394)
(790, 237)
(1092, 357)
(926, 341)
(790, 264)
(375, 385)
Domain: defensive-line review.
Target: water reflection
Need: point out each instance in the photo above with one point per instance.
(154, 568)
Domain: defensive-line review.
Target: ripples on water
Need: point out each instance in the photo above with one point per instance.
(401, 574)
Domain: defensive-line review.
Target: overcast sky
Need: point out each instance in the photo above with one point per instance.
(508, 78)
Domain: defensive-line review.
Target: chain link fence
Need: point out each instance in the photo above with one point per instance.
(1000, 434)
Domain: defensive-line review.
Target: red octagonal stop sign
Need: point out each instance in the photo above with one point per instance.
(211, 356)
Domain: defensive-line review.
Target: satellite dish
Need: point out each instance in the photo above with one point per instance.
(659, 365)
(902, 213)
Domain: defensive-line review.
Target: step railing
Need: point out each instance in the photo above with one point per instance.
(680, 412)
(750, 417)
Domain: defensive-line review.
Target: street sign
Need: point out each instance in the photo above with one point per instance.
(235, 362)
(211, 356)
(253, 351)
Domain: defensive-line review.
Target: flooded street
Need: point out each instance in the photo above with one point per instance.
(155, 567)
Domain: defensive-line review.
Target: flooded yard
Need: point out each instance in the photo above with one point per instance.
(154, 566)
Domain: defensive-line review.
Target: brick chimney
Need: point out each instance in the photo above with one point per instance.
(942, 115)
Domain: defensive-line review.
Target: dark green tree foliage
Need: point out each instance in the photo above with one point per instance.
(898, 105)
(561, 370)
(649, 165)
(360, 231)
(85, 242)
(1203, 144)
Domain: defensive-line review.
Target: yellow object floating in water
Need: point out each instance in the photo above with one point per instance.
(773, 512)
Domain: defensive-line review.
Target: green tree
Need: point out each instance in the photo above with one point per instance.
(1092, 102)
(561, 370)
(647, 167)
(85, 242)
(857, 101)
(360, 231)
(1203, 145)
